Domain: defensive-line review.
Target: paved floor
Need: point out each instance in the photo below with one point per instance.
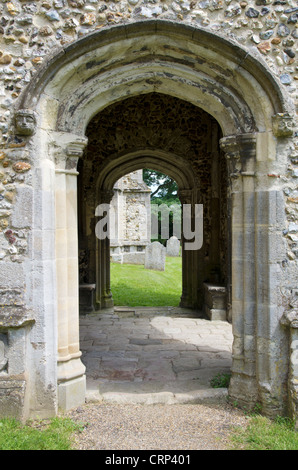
(150, 356)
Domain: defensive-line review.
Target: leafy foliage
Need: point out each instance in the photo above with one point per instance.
(164, 191)
(165, 188)
(220, 381)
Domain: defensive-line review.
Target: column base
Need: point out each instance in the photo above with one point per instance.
(72, 393)
(71, 383)
(243, 391)
(106, 301)
(186, 301)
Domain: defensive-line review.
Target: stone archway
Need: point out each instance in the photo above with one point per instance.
(217, 76)
(164, 133)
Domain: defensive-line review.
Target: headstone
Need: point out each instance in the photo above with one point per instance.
(173, 246)
(155, 256)
(131, 208)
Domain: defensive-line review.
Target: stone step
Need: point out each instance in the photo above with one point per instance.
(205, 396)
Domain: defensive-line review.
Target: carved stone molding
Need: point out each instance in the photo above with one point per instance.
(239, 145)
(76, 148)
(25, 122)
(66, 150)
(282, 125)
(290, 319)
(240, 150)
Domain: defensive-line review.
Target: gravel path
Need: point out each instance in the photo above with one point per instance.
(156, 427)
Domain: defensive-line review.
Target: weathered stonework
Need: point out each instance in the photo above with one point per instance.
(131, 219)
(72, 67)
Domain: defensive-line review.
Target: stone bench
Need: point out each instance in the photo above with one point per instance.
(215, 302)
(86, 297)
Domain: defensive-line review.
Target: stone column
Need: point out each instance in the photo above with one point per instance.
(104, 297)
(271, 252)
(240, 152)
(71, 378)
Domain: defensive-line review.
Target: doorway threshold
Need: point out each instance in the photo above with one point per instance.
(154, 356)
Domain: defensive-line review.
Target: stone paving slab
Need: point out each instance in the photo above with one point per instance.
(151, 356)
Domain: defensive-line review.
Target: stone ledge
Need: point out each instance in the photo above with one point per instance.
(15, 317)
(215, 302)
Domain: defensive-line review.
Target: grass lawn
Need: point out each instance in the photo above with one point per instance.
(54, 434)
(265, 434)
(133, 285)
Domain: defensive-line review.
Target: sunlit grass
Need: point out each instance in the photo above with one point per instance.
(54, 434)
(265, 434)
(133, 285)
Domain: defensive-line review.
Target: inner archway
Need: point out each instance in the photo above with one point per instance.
(145, 214)
(172, 136)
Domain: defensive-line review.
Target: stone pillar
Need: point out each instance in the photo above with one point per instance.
(71, 378)
(215, 268)
(240, 152)
(256, 224)
(104, 297)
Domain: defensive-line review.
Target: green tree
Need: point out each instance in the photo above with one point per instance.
(164, 190)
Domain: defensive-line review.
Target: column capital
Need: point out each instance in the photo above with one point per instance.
(239, 145)
(230, 147)
(66, 149)
(240, 151)
(75, 148)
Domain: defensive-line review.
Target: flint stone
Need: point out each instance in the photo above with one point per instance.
(173, 246)
(22, 215)
(155, 256)
(53, 15)
(283, 30)
(252, 13)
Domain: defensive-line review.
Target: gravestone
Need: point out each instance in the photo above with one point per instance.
(132, 219)
(155, 256)
(173, 246)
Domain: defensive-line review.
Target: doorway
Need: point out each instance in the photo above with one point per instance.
(168, 135)
(146, 215)
(212, 74)
(136, 349)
